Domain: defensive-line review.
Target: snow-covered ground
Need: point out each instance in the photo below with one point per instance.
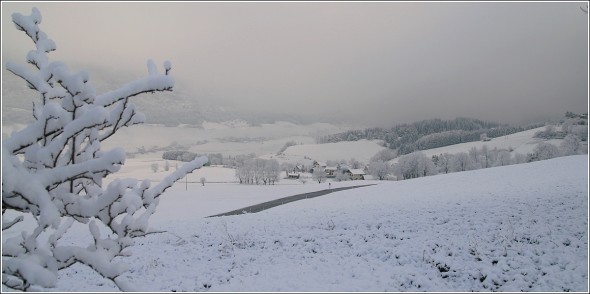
(513, 228)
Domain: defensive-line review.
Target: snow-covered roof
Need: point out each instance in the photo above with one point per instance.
(356, 171)
(331, 168)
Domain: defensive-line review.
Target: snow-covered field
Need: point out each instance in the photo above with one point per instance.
(514, 228)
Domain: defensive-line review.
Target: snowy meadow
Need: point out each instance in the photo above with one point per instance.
(80, 215)
(514, 228)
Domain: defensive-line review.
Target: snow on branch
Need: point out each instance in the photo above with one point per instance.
(53, 171)
(175, 176)
(145, 85)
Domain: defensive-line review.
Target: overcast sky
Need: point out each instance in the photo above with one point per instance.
(376, 63)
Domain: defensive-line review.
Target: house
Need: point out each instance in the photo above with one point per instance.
(356, 174)
(318, 164)
(330, 170)
(293, 175)
(299, 168)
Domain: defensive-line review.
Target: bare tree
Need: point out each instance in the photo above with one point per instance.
(444, 163)
(319, 175)
(462, 162)
(503, 158)
(485, 153)
(272, 171)
(380, 169)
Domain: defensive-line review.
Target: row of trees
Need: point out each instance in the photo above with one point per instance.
(257, 171)
(417, 164)
(214, 158)
(180, 155)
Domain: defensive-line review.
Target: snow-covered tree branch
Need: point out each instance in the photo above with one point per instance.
(53, 171)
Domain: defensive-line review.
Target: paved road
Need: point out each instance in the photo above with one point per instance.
(281, 201)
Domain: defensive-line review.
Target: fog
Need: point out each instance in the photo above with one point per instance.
(365, 62)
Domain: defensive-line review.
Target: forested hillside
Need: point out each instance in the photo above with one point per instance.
(428, 134)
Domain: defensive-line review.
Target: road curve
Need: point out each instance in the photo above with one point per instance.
(270, 204)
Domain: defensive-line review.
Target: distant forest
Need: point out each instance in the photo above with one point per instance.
(428, 134)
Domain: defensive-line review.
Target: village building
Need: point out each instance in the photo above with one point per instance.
(331, 171)
(317, 164)
(356, 174)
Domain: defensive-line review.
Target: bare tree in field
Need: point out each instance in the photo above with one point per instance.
(462, 162)
(319, 175)
(380, 169)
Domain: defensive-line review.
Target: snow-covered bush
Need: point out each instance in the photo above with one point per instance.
(544, 151)
(53, 171)
(570, 145)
